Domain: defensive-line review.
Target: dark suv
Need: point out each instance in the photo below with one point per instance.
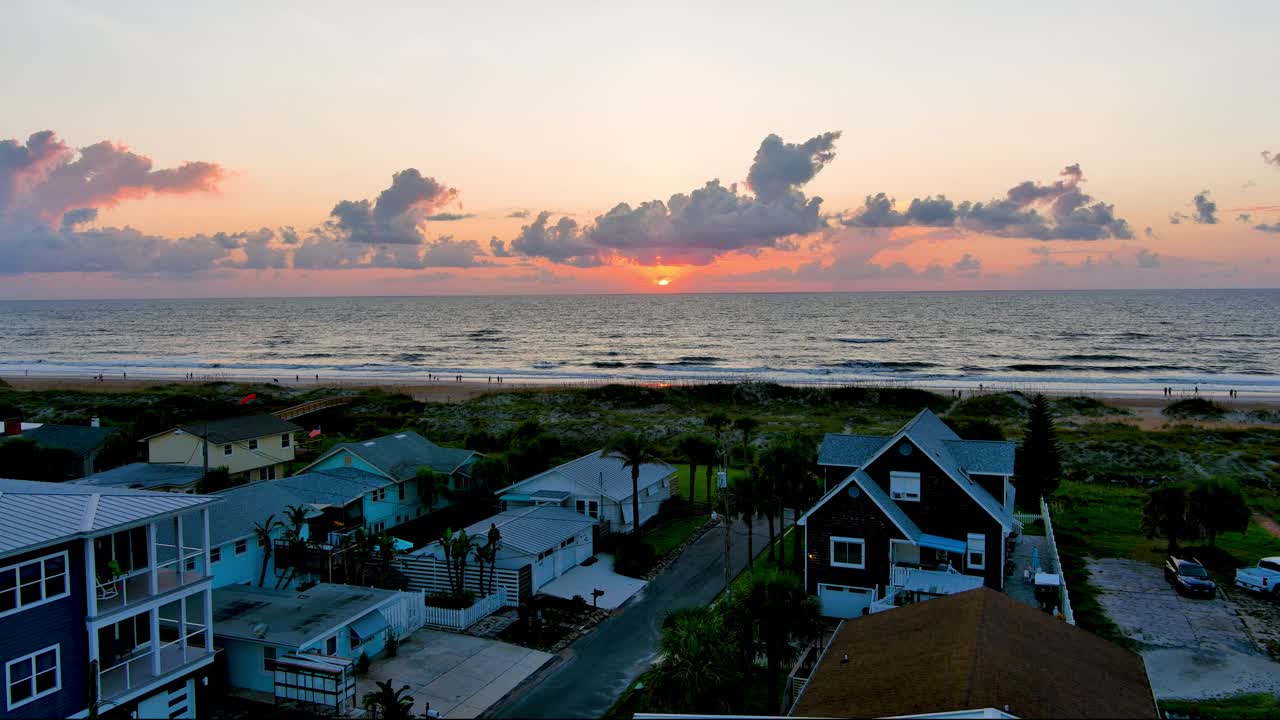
(1189, 576)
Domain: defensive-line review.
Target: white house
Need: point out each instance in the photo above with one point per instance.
(551, 539)
(597, 486)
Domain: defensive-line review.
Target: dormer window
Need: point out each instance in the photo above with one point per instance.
(904, 486)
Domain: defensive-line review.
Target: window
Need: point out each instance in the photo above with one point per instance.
(331, 645)
(267, 473)
(346, 459)
(189, 565)
(567, 542)
(226, 449)
(378, 495)
(242, 546)
(589, 507)
(253, 443)
(400, 489)
(33, 582)
(285, 439)
(848, 552)
(33, 676)
(215, 554)
(268, 657)
(904, 486)
(976, 558)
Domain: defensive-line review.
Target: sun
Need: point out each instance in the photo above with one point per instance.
(663, 281)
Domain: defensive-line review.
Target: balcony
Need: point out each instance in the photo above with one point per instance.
(942, 581)
(135, 586)
(136, 668)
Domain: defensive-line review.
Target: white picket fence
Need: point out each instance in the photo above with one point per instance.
(1052, 546)
(466, 617)
(408, 613)
(427, 573)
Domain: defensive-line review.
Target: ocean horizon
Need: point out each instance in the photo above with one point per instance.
(1117, 340)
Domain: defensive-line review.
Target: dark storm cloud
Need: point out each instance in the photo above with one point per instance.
(1069, 213)
(397, 215)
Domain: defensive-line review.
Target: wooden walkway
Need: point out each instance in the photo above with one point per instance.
(314, 406)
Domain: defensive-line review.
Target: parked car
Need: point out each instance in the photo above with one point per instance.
(1263, 578)
(1187, 575)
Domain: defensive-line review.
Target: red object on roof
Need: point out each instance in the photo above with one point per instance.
(314, 433)
(247, 398)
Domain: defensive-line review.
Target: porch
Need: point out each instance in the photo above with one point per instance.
(140, 650)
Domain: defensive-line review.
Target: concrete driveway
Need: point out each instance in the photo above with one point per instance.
(1193, 648)
(581, 580)
(461, 676)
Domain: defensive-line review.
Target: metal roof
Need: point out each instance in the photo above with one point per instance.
(531, 529)
(985, 457)
(145, 476)
(849, 450)
(79, 439)
(337, 486)
(37, 513)
(597, 473)
(401, 454)
(551, 494)
(241, 509)
(290, 618)
(239, 428)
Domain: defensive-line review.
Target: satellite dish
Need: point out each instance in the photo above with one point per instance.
(854, 491)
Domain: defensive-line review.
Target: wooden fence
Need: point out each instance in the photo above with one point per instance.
(451, 619)
(430, 575)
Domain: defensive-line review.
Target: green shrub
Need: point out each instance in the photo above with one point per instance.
(1195, 408)
(451, 601)
(362, 663)
(634, 558)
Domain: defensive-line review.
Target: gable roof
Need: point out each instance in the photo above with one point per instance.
(849, 450)
(338, 486)
(238, 428)
(974, 649)
(399, 455)
(887, 506)
(534, 529)
(599, 474)
(66, 511)
(244, 506)
(145, 476)
(79, 439)
(983, 457)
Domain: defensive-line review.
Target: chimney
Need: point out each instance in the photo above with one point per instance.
(94, 422)
(13, 426)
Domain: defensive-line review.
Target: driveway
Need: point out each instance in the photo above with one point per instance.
(461, 676)
(581, 580)
(1193, 648)
(597, 668)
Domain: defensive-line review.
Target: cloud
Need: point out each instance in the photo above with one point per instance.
(1150, 234)
(1071, 214)
(968, 263)
(1244, 218)
(702, 225)
(519, 214)
(449, 217)
(396, 217)
(497, 248)
(447, 252)
(80, 216)
(1148, 259)
(1268, 227)
(1271, 158)
(38, 248)
(1206, 209)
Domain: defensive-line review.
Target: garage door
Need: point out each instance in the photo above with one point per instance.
(844, 601)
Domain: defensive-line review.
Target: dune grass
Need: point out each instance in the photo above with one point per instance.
(1254, 706)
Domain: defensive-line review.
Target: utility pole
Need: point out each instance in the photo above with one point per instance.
(722, 482)
(204, 443)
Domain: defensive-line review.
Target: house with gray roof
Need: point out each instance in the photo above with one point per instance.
(174, 477)
(352, 498)
(85, 442)
(90, 596)
(598, 486)
(250, 447)
(548, 538)
(921, 512)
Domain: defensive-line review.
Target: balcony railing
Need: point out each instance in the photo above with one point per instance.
(135, 586)
(137, 668)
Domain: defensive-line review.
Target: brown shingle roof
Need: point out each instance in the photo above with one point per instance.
(971, 650)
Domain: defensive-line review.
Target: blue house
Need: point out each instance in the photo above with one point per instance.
(92, 602)
(398, 458)
(350, 498)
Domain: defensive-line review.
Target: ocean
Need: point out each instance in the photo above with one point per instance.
(1117, 341)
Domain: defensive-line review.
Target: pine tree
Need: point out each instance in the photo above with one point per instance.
(1039, 457)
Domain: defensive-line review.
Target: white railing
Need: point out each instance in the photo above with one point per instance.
(466, 617)
(1026, 518)
(1052, 546)
(899, 576)
(408, 614)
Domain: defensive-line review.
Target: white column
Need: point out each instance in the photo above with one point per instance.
(151, 558)
(181, 543)
(90, 577)
(182, 626)
(154, 614)
(208, 557)
(208, 620)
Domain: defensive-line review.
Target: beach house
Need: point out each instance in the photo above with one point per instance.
(916, 514)
(252, 447)
(598, 486)
(94, 608)
(83, 444)
(174, 477)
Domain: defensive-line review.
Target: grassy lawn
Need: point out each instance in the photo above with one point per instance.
(784, 544)
(1256, 706)
(668, 536)
(734, 474)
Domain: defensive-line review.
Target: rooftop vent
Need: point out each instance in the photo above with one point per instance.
(259, 630)
(368, 444)
(401, 436)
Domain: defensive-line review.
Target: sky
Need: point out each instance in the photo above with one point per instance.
(262, 149)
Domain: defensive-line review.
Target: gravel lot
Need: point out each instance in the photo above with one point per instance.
(1193, 648)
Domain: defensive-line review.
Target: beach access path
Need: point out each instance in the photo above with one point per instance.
(594, 671)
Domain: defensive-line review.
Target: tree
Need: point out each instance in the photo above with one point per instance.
(746, 426)
(784, 471)
(1215, 506)
(457, 547)
(296, 516)
(698, 672)
(1039, 457)
(635, 451)
(718, 422)
(773, 612)
(218, 478)
(262, 531)
(431, 485)
(490, 472)
(487, 552)
(1165, 513)
(694, 448)
(746, 504)
(387, 703)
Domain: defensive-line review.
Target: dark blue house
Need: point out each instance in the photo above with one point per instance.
(94, 609)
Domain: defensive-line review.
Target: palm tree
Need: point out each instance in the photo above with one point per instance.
(431, 486)
(487, 552)
(745, 502)
(687, 447)
(296, 515)
(457, 546)
(387, 703)
(698, 672)
(262, 531)
(746, 425)
(766, 477)
(717, 421)
(635, 451)
(777, 611)
(1165, 513)
(786, 465)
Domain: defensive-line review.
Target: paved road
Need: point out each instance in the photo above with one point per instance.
(603, 663)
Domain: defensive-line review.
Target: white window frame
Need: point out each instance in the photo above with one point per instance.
(860, 542)
(285, 440)
(900, 476)
(981, 540)
(253, 443)
(18, 605)
(331, 639)
(31, 658)
(227, 448)
(241, 546)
